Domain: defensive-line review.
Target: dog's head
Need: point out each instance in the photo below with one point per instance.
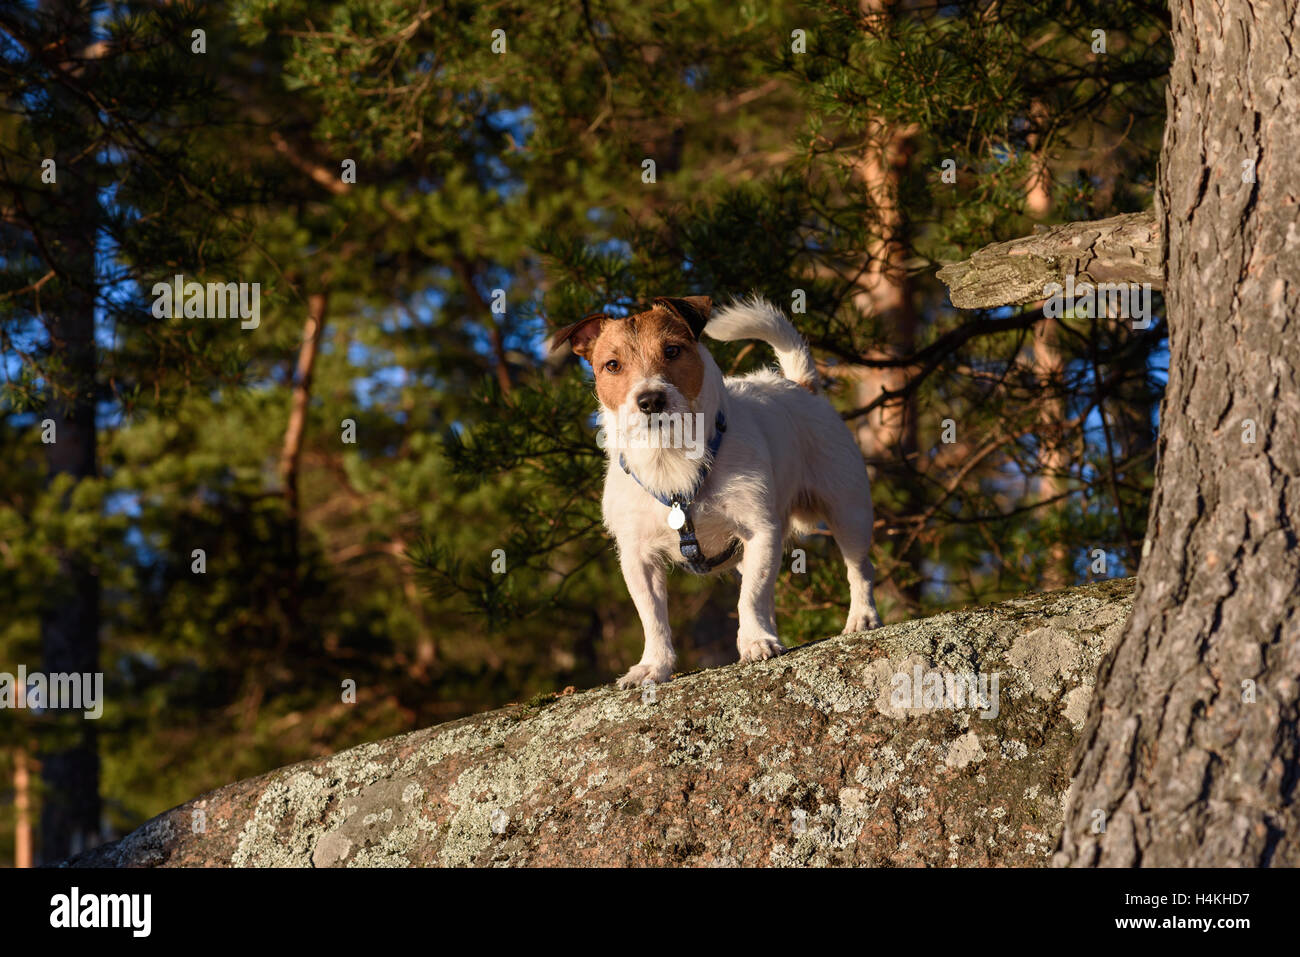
(647, 363)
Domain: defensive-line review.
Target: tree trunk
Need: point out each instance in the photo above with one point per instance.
(290, 458)
(1053, 457)
(70, 624)
(22, 810)
(1190, 753)
(291, 452)
(884, 290)
(1049, 368)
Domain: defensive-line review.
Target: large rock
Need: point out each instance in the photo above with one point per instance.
(811, 758)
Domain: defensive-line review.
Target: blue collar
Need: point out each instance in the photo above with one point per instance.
(690, 546)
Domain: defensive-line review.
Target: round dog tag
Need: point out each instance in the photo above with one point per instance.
(676, 518)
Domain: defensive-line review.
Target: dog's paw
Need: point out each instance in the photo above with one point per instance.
(646, 671)
(864, 622)
(759, 648)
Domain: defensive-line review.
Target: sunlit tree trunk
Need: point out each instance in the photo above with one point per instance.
(22, 810)
(885, 291)
(295, 431)
(889, 432)
(1049, 368)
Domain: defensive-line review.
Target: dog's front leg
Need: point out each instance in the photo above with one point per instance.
(757, 638)
(647, 582)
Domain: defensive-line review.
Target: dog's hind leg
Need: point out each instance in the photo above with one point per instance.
(852, 530)
(647, 583)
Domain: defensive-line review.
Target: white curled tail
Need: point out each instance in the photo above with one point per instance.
(756, 318)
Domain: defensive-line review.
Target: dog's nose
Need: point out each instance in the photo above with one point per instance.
(649, 402)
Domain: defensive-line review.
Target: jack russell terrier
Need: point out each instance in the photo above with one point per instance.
(777, 461)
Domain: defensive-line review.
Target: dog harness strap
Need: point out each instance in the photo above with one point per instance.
(694, 555)
(680, 516)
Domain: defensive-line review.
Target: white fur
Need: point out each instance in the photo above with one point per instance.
(787, 462)
(756, 318)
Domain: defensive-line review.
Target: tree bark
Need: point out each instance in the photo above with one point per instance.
(22, 810)
(885, 291)
(290, 458)
(1121, 249)
(1190, 755)
(1049, 368)
(1053, 458)
(295, 430)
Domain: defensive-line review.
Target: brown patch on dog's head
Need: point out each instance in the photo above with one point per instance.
(658, 342)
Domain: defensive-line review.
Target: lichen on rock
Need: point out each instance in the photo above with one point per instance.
(863, 749)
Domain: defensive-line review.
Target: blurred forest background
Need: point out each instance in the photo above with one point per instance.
(233, 522)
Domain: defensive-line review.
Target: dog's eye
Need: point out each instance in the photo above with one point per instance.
(612, 365)
(672, 352)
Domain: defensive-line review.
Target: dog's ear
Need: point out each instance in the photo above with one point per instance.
(693, 310)
(581, 333)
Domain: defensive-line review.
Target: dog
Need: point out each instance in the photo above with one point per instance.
(751, 461)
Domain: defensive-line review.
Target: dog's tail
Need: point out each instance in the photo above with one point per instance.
(756, 318)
